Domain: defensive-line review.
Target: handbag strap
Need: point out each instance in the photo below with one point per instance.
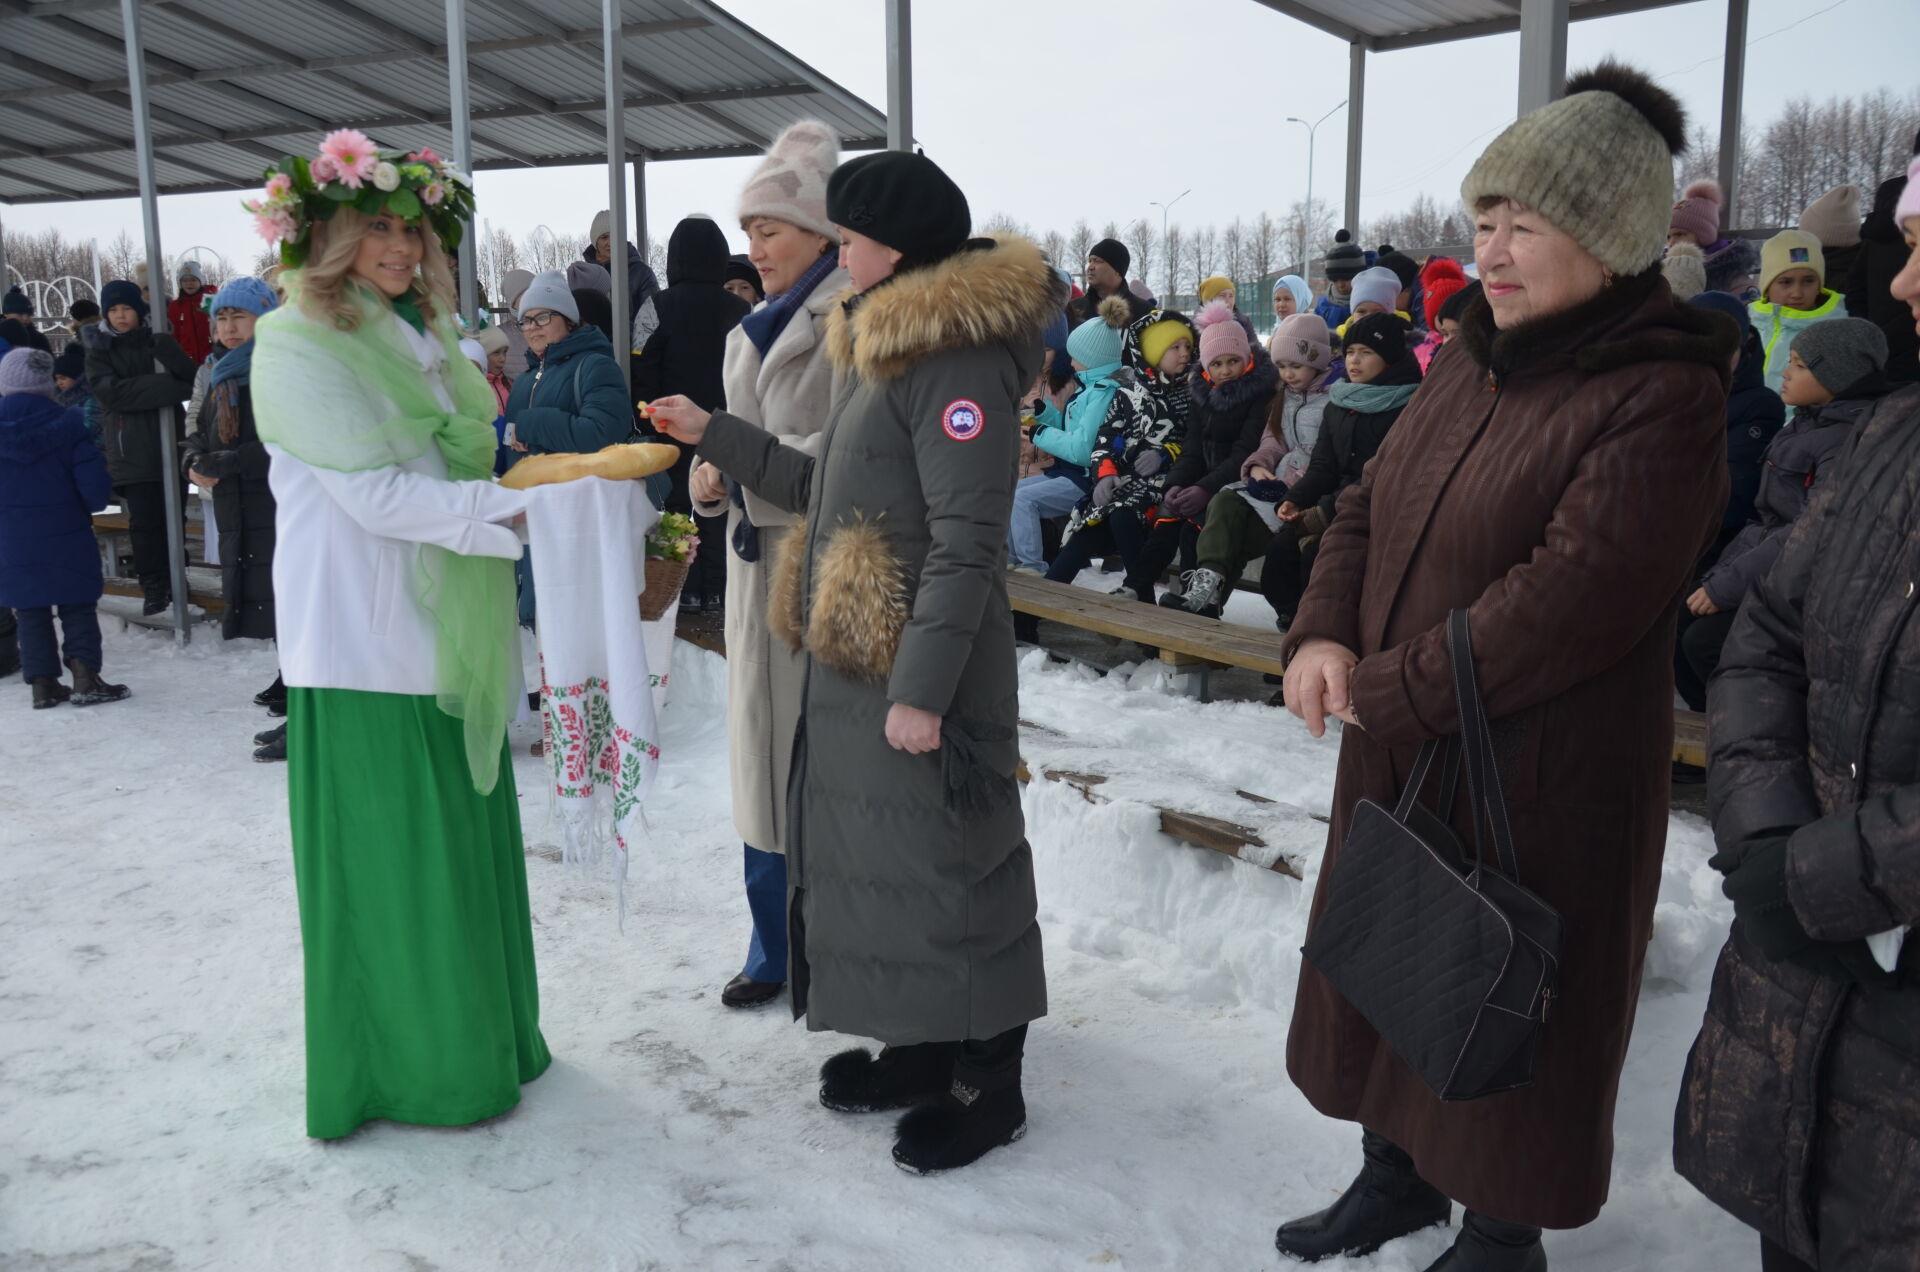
(1449, 778)
(1484, 793)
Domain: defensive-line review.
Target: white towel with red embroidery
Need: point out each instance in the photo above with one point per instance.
(588, 539)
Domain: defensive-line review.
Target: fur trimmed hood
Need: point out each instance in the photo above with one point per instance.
(992, 291)
(1260, 380)
(1636, 320)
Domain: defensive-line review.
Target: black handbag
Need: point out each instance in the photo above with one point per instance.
(1447, 955)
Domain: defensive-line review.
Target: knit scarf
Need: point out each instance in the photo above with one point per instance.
(470, 597)
(764, 325)
(1366, 399)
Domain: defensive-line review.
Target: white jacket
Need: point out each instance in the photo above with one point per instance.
(346, 561)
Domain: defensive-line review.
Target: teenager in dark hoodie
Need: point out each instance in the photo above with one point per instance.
(679, 344)
(1869, 282)
(1755, 414)
(1834, 376)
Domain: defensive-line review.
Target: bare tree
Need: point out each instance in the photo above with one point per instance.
(1233, 251)
(1053, 246)
(1175, 257)
(1078, 243)
(1146, 250)
(118, 260)
(1110, 231)
(1001, 223)
(1312, 229)
(1206, 254)
(1263, 246)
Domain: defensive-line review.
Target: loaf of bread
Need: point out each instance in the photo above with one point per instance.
(623, 462)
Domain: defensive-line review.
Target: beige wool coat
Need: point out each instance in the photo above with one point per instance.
(788, 393)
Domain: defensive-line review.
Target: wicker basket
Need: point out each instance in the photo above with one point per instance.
(664, 581)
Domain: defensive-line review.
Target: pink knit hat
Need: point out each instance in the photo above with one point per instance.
(1698, 212)
(1909, 205)
(1302, 338)
(1220, 333)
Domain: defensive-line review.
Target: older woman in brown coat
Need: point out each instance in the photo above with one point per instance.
(1557, 474)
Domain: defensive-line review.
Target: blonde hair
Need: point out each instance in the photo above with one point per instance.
(325, 286)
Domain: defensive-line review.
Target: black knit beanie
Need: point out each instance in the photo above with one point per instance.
(1384, 333)
(1402, 265)
(901, 200)
(1114, 253)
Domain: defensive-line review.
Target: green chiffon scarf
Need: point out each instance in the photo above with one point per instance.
(471, 598)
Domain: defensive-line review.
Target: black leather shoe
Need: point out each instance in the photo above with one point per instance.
(1492, 1245)
(744, 991)
(273, 752)
(1385, 1201)
(271, 735)
(857, 1081)
(275, 692)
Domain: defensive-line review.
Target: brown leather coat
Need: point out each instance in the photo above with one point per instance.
(1559, 480)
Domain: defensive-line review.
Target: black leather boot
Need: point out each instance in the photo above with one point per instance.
(89, 689)
(48, 692)
(156, 594)
(857, 1081)
(1493, 1245)
(1386, 1200)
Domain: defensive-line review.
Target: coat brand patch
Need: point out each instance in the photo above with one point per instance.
(963, 420)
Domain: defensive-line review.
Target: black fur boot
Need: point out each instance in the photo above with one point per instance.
(899, 1077)
(48, 692)
(1386, 1200)
(960, 1128)
(1493, 1245)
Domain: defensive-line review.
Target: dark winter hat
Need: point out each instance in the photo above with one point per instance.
(740, 269)
(1401, 264)
(1344, 258)
(1114, 253)
(83, 311)
(72, 361)
(31, 371)
(122, 292)
(1384, 333)
(903, 201)
(1598, 163)
(1840, 352)
(1737, 259)
(16, 302)
(1455, 306)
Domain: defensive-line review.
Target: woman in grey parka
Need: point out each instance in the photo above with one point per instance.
(912, 911)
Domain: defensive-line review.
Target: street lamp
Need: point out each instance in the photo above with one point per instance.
(1164, 209)
(1306, 220)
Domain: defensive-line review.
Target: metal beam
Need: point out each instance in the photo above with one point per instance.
(640, 203)
(1733, 87)
(721, 20)
(899, 75)
(1356, 117)
(1317, 20)
(1543, 53)
(459, 107)
(617, 187)
(60, 8)
(1508, 25)
(156, 280)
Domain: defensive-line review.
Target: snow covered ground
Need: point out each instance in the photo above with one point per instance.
(150, 1047)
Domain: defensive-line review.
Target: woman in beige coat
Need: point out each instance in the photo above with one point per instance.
(777, 377)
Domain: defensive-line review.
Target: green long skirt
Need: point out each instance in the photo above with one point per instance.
(421, 1000)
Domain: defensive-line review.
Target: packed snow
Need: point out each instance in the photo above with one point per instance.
(150, 1023)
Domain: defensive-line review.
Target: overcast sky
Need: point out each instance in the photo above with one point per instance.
(1051, 110)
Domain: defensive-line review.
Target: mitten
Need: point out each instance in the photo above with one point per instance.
(1103, 491)
(1148, 463)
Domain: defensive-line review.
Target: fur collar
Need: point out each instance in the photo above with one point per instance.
(999, 293)
(1636, 320)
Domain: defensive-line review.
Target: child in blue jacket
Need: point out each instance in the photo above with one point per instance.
(52, 481)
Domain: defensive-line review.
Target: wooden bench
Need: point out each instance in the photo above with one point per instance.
(207, 598)
(1690, 738)
(116, 544)
(1187, 642)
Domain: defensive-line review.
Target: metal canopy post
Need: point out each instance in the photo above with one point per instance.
(1732, 92)
(460, 120)
(1356, 117)
(1543, 52)
(640, 204)
(899, 75)
(616, 185)
(157, 281)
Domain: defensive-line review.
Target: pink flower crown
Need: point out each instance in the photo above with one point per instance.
(350, 171)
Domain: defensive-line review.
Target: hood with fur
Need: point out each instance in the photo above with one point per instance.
(994, 291)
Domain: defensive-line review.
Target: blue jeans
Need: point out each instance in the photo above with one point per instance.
(767, 900)
(1035, 499)
(39, 654)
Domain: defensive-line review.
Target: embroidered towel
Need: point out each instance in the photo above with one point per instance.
(588, 539)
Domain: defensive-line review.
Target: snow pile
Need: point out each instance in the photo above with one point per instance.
(150, 1031)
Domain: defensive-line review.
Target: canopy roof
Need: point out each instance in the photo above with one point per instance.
(1381, 26)
(231, 90)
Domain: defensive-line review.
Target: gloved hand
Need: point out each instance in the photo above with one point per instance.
(1185, 501)
(1148, 463)
(217, 463)
(1267, 491)
(1103, 491)
(1757, 886)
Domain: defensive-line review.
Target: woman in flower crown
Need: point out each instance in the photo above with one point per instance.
(393, 583)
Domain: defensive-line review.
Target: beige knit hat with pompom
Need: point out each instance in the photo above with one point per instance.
(791, 184)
